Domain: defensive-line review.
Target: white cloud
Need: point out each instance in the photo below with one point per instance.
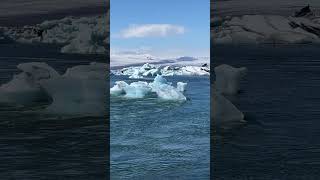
(151, 30)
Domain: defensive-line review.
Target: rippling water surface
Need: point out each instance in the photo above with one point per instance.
(281, 101)
(154, 139)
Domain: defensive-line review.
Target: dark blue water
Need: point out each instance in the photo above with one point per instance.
(281, 101)
(154, 139)
(38, 146)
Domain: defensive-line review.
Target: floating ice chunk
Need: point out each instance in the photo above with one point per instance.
(181, 86)
(85, 35)
(165, 91)
(137, 89)
(76, 96)
(25, 87)
(38, 70)
(158, 80)
(92, 71)
(159, 86)
(168, 92)
(268, 29)
(228, 78)
(118, 88)
(21, 90)
(80, 91)
(224, 111)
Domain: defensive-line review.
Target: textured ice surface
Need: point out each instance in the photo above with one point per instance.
(25, 87)
(147, 69)
(85, 35)
(266, 29)
(80, 91)
(163, 89)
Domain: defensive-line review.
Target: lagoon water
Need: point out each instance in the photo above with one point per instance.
(281, 101)
(155, 139)
(38, 146)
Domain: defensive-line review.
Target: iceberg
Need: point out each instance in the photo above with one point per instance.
(227, 83)
(163, 89)
(25, 87)
(81, 90)
(149, 70)
(228, 78)
(84, 35)
(273, 29)
(224, 112)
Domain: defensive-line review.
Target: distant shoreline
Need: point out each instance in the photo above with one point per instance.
(31, 19)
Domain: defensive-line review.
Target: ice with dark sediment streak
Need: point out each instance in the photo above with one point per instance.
(140, 89)
(80, 91)
(80, 35)
(147, 70)
(274, 29)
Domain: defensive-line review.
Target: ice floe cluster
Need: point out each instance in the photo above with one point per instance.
(84, 35)
(227, 83)
(81, 90)
(140, 89)
(258, 29)
(148, 70)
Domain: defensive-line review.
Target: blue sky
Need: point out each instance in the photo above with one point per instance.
(186, 22)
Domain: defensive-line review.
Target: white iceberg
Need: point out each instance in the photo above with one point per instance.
(163, 89)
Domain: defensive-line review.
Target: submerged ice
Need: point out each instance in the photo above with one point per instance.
(140, 89)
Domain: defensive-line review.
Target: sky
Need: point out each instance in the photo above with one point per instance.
(166, 28)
